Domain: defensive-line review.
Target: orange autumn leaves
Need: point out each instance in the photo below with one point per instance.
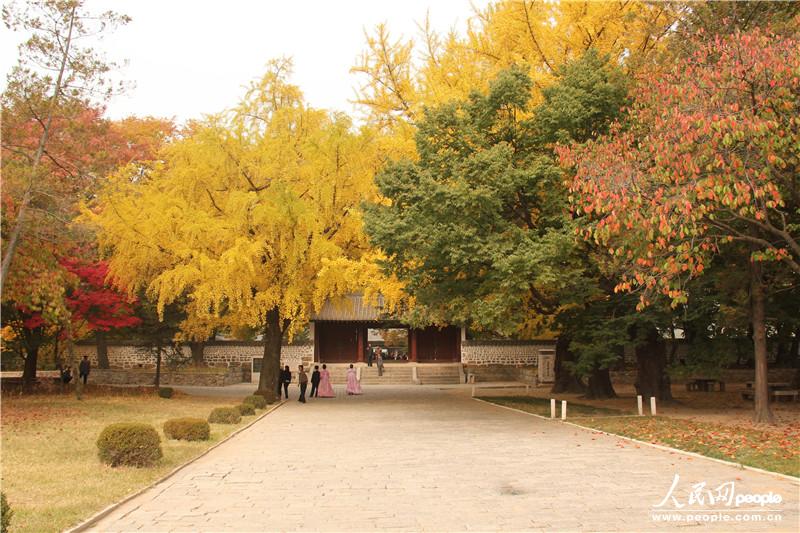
(741, 443)
(703, 158)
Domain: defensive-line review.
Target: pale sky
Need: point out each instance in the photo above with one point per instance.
(189, 57)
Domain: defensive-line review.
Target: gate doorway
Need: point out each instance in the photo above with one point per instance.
(351, 342)
(391, 342)
(435, 345)
(337, 342)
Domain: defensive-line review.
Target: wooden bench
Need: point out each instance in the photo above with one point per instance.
(776, 395)
(14, 383)
(705, 384)
(790, 395)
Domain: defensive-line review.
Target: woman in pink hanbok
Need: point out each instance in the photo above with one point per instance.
(325, 387)
(353, 386)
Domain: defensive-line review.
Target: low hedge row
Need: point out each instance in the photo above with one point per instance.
(136, 444)
(5, 513)
(225, 415)
(187, 429)
(246, 409)
(257, 401)
(129, 444)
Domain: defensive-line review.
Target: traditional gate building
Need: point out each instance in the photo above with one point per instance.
(340, 334)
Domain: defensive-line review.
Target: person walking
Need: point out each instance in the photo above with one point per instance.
(379, 362)
(325, 387)
(302, 380)
(370, 355)
(284, 379)
(353, 385)
(315, 377)
(84, 368)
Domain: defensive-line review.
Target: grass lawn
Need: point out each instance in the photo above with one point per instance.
(50, 471)
(775, 449)
(541, 406)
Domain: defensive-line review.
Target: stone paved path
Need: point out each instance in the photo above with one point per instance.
(427, 459)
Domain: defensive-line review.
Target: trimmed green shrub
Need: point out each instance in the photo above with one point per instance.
(225, 415)
(5, 513)
(129, 444)
(246, 409)
(187, 429)
(165, 392)
(257, 401)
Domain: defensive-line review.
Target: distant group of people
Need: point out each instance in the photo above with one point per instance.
(378, 355)
(375, 354)
(321, 386)
(84, 367)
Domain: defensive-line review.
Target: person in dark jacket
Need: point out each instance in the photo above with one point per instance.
(302, 379)
(66, 375)
(315, 377)
(283, 380)
(84, 368)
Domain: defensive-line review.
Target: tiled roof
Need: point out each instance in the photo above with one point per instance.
(353, 307)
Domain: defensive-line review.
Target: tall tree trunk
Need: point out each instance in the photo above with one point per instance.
(102, 349)
(600, 385)
(59, 364)
(651, 361)
(19, 224)
(273, 334)
(762, 413)
(56, 355)
(29, 370)
(158, 364)
(197, 352)
(71, 358)
(565, 379)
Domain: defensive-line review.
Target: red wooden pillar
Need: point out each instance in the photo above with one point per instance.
(412, 345)
(361, 332)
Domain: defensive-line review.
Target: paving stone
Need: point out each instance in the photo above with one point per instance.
(426, 458)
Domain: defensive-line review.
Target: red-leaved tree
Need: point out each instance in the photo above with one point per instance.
(96, 305)
(706, 158)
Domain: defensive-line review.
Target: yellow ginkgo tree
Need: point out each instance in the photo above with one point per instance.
(252, 217)
(399, 77)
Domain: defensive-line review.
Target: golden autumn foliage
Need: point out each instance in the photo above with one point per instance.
(252, 217)
(241, 215)
(542, 35)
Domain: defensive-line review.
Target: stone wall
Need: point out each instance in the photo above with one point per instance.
(205, 377)
(217, 354)
(122, 355)
(513, 353)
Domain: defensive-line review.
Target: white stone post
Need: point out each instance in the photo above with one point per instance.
(473, 391)
(653, 405)
(639, 405)
(552, 408)
(563, 409)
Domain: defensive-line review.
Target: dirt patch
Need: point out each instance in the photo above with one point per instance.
(16, 413)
